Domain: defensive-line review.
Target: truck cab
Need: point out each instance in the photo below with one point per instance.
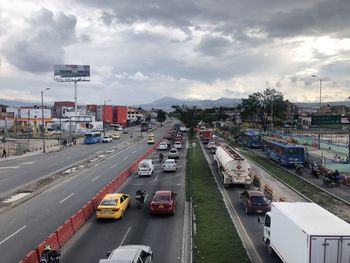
(267, 224)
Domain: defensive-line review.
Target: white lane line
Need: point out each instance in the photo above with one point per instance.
(114, 165)
(66, 198)
(126, 234)
(68, 158)
(95, 178)
(3, 180)
(134, 151)
(9, 167)
(125, 157)
(23, 227)
(28, 162)
(144, 201)
(155, 179)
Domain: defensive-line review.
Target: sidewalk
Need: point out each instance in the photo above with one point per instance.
(28, 154)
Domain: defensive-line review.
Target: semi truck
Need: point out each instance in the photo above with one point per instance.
(305, 232)
(232, 167)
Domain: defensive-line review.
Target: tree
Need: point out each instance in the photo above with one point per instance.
(161, 116)
(189, 116)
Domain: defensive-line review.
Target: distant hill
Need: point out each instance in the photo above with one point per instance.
(17, 103)
(166, 103)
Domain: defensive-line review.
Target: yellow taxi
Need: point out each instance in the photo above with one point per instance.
(116, 136)
(151, 140)
(113, 206)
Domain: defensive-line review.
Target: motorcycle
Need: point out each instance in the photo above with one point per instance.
(299, 169)
(161, 157)
(50, 257)
(140, 199)
(315, 171)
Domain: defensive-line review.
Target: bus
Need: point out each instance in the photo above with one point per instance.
(251, 139)
(92, 137)
(285, 153)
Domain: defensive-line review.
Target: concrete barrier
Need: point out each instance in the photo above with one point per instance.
(268, 191)
(78, 220)
(31, 257)
(88, 210)
(64, 232)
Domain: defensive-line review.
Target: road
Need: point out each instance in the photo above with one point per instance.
(163, 233)
(26, 225)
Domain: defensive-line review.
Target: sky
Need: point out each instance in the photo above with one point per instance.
(140, 51)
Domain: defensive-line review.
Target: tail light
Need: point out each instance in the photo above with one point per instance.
(115, 209)
(99, 209)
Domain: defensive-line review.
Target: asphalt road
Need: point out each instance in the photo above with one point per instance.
(163, 233)
(18, 172)
(26, 225)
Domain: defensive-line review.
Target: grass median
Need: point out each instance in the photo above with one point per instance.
(215, 239)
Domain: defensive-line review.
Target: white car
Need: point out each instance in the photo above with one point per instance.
(178, 145)
(129, 254)
(174, 154)
(146, 168)
(210, 145)
(169, 165)
(106, 139)
(163, 146)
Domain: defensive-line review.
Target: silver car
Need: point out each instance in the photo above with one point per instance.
(169, 165)
(129, 254)
(174, 154)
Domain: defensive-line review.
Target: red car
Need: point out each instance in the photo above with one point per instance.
(255, 202)
(164, 202)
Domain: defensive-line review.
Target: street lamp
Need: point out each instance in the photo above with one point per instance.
(42, 119)
(314, 76)
(103, 115)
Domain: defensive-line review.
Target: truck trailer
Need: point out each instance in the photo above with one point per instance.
(304, 232)
(232, 167)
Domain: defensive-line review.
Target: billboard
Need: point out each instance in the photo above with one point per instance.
(72, 72)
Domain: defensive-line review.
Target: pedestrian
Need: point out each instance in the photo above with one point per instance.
(4, 153)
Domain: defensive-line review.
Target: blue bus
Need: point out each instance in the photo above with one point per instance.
(285, 153)
(92, 137)
(251, 139)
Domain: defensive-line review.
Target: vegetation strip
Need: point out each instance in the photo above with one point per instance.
(215, 235)
(322, 198)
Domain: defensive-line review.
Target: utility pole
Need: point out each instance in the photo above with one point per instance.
(28, 131)
(272, 114)
(42, 119)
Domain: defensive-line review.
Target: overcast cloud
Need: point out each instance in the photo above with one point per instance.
(140, 51)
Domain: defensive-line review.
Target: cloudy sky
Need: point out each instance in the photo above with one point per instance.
(140, 51)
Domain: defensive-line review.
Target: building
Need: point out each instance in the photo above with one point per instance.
(134, 115)
(61, 107)
(104, 113)
(120, 115)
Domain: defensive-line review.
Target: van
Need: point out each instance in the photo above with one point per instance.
(129, 254)
(145, 168)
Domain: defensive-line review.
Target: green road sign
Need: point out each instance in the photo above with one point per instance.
(326, 120)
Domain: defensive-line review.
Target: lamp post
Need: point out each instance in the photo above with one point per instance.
(314, 76)
(42, 119)
(103, 116)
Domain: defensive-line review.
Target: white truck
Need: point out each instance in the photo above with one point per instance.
(232, 167)
(304, 232)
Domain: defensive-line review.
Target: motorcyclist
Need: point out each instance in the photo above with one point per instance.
(49, 255)
(161, 156)
(299, 168)
(314, 169)
(140, 196)
(336, 177)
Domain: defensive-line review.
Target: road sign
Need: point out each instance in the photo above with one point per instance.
(326, 120)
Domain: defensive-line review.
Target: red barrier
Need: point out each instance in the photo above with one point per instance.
(78, 220)
(88, 209)
(96, 200)
(64, 232)
(31, 257)
(51, 240)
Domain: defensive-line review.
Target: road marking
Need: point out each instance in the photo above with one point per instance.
(95, 178)
(67, 158)
(126, 234)
(101, 156)
(28, 162)
(23, 227)
(134, 151)
(3, 180)
(144, 201)
(114, 165)
(9, 167)
(155, 179)
(15, 197)
(125, 157)
(66, 198)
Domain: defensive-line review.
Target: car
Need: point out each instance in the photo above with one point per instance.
(151, 139)
(164, 202)
(145, 168)
(106, 139)
(56, 132)
(115, 135)
(210, 145)
(125, 131)
(129, 254)
(118, 128)
(178, 145)
(169, 165)
(174, 154)
(166, 141)
(213, 149)
(113, 206)
(255, 201)
(168, 136)
(206, 140)
(163, 146)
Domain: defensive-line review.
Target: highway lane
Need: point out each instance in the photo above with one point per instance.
(29, 223)
(162, 233)
(18, 172)
(250, 221)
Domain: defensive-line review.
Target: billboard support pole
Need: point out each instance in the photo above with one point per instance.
(75, 98)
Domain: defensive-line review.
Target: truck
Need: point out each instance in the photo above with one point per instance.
(207, 135)
(232, 167)
(303, 232)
